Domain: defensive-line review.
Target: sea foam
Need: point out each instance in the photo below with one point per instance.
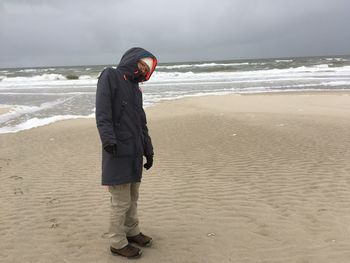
(37, 122)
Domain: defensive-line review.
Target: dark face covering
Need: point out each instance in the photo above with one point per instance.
(138, 77)
(141, 73)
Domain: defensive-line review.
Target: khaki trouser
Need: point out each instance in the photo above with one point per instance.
(123, 220)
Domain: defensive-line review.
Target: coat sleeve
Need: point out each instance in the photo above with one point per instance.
(148, 147)
(104, 116)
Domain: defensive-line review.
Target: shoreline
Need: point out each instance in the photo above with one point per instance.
(277, 93)
(4, 110)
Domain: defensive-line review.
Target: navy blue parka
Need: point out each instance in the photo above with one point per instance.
(121, 120)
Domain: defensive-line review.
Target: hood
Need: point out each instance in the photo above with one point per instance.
(128, 63)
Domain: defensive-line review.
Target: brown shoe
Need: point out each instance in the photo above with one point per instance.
(128, 251)
(141, 240)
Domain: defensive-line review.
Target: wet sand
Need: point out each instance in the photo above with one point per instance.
(253, 178)
(4, 110)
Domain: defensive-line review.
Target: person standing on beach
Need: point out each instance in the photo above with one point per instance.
(122, 126)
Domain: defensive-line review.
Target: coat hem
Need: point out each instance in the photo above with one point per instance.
(117, 183)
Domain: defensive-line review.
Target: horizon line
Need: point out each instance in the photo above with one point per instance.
(179, 62)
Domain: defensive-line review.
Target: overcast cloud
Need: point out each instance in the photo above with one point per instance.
(42, 33)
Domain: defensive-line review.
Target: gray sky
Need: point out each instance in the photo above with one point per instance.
(75, 32)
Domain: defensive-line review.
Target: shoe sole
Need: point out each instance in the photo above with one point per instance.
(133, 257)
(142, 245)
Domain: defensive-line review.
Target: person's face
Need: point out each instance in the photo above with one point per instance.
(143, 67)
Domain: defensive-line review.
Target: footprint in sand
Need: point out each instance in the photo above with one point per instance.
(53, 223)
(18, 191)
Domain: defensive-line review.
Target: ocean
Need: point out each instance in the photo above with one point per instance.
(38, 96)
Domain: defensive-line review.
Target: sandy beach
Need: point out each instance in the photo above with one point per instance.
(236, 178)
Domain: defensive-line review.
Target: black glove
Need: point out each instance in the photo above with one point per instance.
(111, 149)
(149, 162)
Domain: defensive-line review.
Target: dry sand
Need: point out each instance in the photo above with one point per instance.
(254, 178)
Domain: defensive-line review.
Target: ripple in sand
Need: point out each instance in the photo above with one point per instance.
(16, 178)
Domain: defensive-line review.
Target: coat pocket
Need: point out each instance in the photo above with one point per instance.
(125, 145)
